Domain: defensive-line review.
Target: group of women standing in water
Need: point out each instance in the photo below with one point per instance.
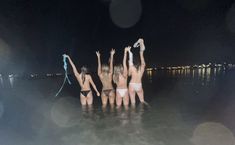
(117, 74)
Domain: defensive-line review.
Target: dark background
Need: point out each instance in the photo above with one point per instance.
(35, 33)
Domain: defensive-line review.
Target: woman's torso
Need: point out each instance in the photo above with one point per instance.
(106, 80)
(122, 82)
(84, 84)
(136, 76)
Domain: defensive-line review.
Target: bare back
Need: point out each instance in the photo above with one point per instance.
(86, 84)
(136, 75)
(106, 80)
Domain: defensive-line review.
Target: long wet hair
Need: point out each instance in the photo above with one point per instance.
(118, 70)
(84, 71)
(137, 64)
(105, 69)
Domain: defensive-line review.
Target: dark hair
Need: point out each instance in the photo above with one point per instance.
(137, 64)
(84, 71)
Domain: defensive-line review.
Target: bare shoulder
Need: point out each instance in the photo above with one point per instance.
(88, 76)
(100, 75)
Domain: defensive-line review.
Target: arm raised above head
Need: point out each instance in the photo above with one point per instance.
(143, 64)
(130, 62)
(124, 60)
(99, 63)
(112, 52)
(142, 60)
(75, 71)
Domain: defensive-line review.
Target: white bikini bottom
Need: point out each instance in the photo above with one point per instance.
(122, 92)
(136, 86)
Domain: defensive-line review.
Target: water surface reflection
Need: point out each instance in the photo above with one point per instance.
(182, 104)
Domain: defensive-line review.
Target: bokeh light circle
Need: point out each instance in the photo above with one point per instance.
(64, 112)
(231, 19)
(125, 13)
(211, 133)
(194, 5)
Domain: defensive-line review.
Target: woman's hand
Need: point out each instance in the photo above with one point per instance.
(112, 52)
(65, 55)
(141, 40)
(97, 53)
(97, 93)
(128, 48)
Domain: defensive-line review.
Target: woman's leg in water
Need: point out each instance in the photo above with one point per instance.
(126, 100)
(104, 99)
(89, 98)
(82, 99)
(118, 99)
(132, 94)
(112, 98)
(140, 94)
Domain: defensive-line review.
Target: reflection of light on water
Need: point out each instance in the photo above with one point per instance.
(215, 71)
(203, 73)
(11, 79)
(193, 73)
(150, 75)
(173, 72)
(188, 72)
(199, 73)
(219, 70)
(184, 72)
(208, 74)
(178, 72)
(211, 133)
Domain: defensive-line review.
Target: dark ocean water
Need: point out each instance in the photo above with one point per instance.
(187, 107)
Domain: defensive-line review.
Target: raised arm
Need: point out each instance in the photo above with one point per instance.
(73, 66)
(94, 86)
(142, 48)
(130, 62)
(124, 60)
(99, 63)
(112, 52)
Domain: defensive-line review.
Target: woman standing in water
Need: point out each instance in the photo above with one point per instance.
(84, 80)
(136, 72)
(105, 74)
(120, 79)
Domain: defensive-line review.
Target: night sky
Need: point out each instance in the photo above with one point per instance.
(35, 33)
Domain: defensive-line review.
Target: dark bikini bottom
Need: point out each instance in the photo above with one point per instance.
(107, 91)
(85, 93)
